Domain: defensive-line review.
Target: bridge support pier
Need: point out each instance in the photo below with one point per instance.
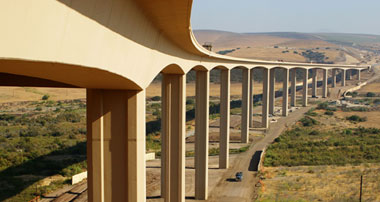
(325, 84)
(314, 84)
(349, 74)
(293, 90)
(343, 77)
(272, 91)
(285, 93)
(224, 118)
(245, 106)
(201, 134)
(251, 98)
(305, 87)
(116, 145)
(173, 138)
(358, 77)
(333, 78)
(265, 99)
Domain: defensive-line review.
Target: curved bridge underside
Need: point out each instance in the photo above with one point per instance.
(117, 44)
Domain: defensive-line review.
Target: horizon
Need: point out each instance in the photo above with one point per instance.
(253, 16)
(194, 30)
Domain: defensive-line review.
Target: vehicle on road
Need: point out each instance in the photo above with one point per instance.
(239, 176)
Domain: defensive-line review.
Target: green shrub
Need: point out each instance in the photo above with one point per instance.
(346, 132)
(308, 121)
(325, 106)
(7, 117)
(82, 131)
(156, 112)
(156, 98)
(68, 116)
(355, 109)
(376, 101)
(314, 132)
(353, 94)
(356, 118)
(371, 94)
(45, 97)
(330, 113)
(190, 101)
(311, 112)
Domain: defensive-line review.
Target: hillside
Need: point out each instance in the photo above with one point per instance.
(293, 47)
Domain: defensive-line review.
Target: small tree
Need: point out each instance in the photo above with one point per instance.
(45, 97)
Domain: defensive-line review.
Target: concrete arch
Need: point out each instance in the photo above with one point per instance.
(259, 67)
(298, 67)
(239, 67)
(279, 67)
(317, 68)
(198, 68)
(219, 67)
(173, 69)
(60, 74)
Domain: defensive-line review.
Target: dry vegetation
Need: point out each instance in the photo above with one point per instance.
(286, 46)
(325, 154)
(372, 87)
(320, 183)
(15, 94)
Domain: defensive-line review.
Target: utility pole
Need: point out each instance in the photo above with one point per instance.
(361, 187)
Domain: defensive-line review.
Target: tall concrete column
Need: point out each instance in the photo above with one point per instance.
(333, 78)
(201, 134)
(305, 87)
(293, 89)
(285, 93)
(314, 84)
(245, 109)
(265, 99)
(343, 77)
(358, 77)
(116, 145)
(251, 98)
(349, 74)
(272, 92)
(224, 118)
(173, 138)
(325, 84)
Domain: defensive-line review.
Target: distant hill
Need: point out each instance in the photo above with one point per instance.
(223, 37)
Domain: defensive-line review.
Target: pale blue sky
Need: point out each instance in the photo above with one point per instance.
(343, 16)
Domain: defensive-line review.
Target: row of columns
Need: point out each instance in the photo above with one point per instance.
(116, 132)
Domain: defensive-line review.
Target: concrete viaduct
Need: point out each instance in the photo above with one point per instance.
(114, 49)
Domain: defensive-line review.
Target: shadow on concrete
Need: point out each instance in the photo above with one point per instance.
(153, 197)
(153, 166)
(41, 167)
(255, 161)
(231, 180)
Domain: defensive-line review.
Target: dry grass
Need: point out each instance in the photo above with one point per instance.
(373, 118)
(267, 53)
(14, 94)
(372, 87)
(308, 44)
(320, 183)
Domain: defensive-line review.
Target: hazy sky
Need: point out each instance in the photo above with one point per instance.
(344, 16)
